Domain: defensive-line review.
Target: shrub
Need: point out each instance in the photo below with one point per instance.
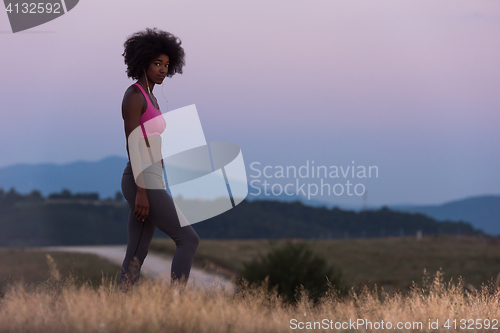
(290, 266)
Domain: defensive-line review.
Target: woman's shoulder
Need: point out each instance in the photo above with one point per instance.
(133, 99)
(133, 93)
(133, 89)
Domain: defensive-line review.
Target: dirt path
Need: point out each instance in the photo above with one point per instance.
(155, 265)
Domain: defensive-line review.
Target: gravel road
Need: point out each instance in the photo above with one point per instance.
(155, 265)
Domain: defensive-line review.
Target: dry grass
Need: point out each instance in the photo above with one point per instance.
(59, 303)
(390, 262)
(157, 306)
(31, 267)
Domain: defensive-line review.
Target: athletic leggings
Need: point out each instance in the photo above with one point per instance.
(162, 214)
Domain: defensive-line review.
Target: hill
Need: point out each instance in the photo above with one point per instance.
(77, 219)
(483, 212)
(104, 177)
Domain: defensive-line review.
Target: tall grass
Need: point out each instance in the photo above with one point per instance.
(157, 306)
(32, 267)
(390, 262)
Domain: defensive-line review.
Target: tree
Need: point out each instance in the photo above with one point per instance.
(290, 266)
(35, 195)
(11, 197)
(118, 196)
(65, 194)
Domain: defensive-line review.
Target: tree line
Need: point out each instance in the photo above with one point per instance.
(68, 219)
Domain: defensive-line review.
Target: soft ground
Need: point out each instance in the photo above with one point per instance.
(155, 265)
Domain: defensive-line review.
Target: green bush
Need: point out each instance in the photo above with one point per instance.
(290, 266)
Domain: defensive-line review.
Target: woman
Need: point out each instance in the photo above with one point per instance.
(150, 56)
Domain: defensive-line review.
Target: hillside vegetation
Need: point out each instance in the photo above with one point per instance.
(389, 262)
(78, 219)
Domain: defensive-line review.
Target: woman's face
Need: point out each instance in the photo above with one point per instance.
(158, 69)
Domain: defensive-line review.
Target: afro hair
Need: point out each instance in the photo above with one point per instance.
(143, 46)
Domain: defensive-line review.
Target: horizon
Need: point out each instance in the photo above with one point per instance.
(304, 200)
(409, 87)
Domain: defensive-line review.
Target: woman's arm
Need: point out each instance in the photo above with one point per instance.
(132, 106)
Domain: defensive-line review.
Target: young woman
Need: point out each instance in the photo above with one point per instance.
(150, 56)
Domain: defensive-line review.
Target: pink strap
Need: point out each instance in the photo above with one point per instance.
(145, 95)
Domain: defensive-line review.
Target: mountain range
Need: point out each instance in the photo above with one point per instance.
(104, 177)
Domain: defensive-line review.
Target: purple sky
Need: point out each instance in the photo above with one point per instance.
(411, 87)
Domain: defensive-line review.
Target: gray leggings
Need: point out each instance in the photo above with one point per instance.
(162, 214)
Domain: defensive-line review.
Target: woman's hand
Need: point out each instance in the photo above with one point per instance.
(141, 205)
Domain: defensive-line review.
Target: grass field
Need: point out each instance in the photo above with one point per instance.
(389, 262)
(156, 306)
(49, 301)
(33, 267)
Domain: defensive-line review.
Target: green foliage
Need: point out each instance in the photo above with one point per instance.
(66, 194)
(277, 220)
(67, 218)
(119, 196)
(290, 266)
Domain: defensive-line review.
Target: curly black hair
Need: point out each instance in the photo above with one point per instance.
(144, 46)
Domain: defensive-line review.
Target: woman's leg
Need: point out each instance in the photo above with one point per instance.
(164, 216)
(139, 237)
(140, 234)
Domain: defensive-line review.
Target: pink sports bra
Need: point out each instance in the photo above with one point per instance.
(152, 121)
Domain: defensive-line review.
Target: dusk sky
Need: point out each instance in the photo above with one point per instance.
(411, 87)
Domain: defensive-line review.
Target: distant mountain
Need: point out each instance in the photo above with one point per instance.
(103, 176)
(66, 219)
(483, 212)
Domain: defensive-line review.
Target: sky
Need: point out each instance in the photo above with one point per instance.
(409, 87)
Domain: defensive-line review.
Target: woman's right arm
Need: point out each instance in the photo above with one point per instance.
(132, 106)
